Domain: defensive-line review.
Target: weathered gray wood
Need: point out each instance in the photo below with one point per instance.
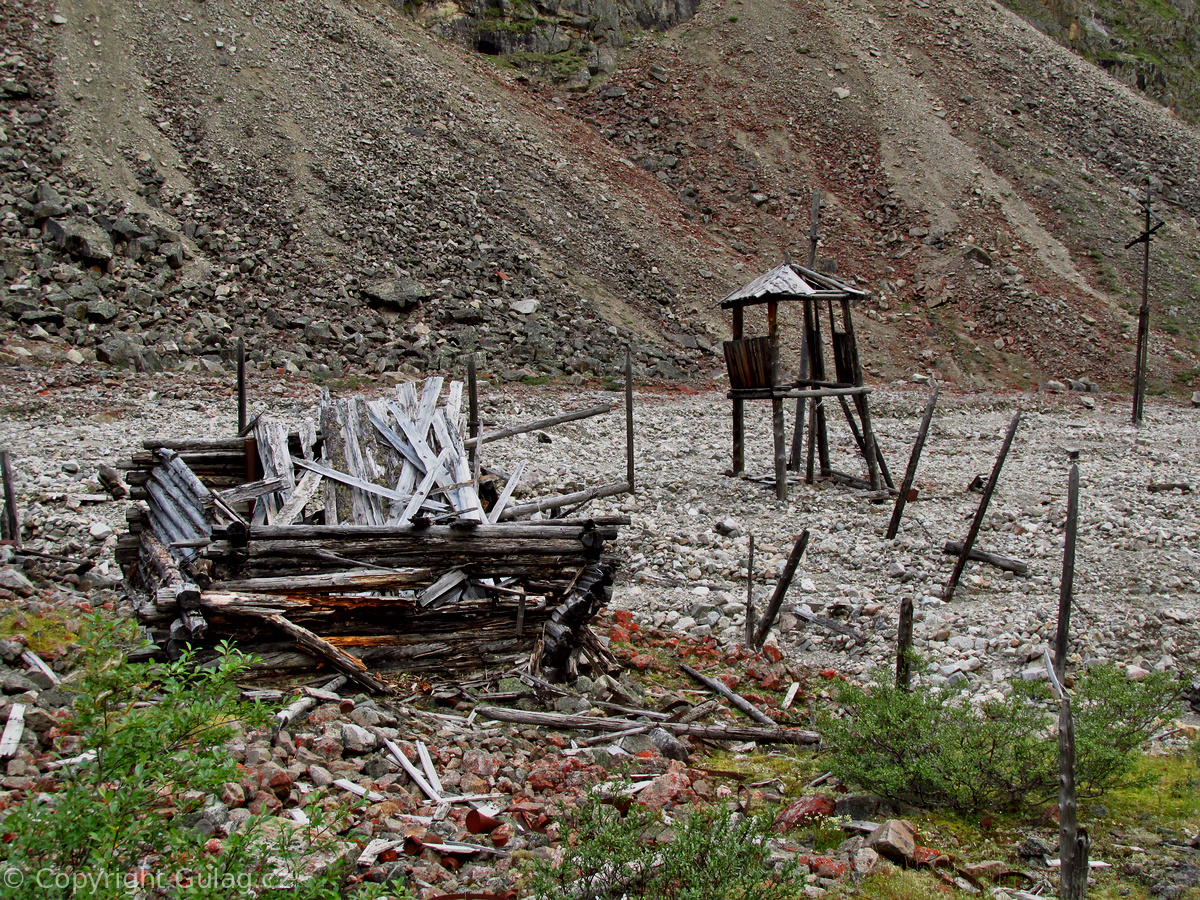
(546, 504)
(251, 490)
(505, 495)
(310, 483)
(489, 436)
(36, 663)
(293, 711)
(421, 493)
(444, 590)
(1063, 633)
(989, 489)
(473, 413)
(910, 474)
(14, 729)
(750, 613)
(465, 492)
(629, 455)
(351, 481)
(785, 580)
(428, 404)
(776, 735)
(736, 699)
(324, 582)
(1007, 563)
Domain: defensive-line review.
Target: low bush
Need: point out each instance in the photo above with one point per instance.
(117, 823)
(706, 855)
(932, 748)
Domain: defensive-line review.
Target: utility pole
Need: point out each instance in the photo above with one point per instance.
(1153, 223)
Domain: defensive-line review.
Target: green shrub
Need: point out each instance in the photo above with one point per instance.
(936, 749)
(704, 856)
(119, 824)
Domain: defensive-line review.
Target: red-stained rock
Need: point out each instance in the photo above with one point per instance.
(825, 867)
(623, 617)
(618, 635)
(925, 856)
(669, 788)
(642, 661)
(806, 809)
(274, 778)
(482, 763)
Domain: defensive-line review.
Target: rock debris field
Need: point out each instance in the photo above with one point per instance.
(684, 557)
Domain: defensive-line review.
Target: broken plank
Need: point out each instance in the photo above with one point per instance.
(304, 492)
(14, 728)
(506, 494)
(350, 480)
(422, 492)
(541, 423)
(413, 772)
(33, 661)
(358, 790)
(252, 490)
(427, 764)
(836, 627)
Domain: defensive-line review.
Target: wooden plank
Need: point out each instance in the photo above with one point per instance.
(546, 504)
(427, 764)
(422, 490)
(506, 494)
(14, 729)
(428, 404)
(414, 773)
(251, 490)
(350, 480)
(785, 580)
(465, 493)
(588, 413)
(1016, 566)
(310, 483)
(35, 662)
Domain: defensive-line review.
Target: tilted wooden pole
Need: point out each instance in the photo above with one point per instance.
(785, 579)
(241, 384)
(1063, 634)
(1073, 841)
(910, 474)
(750, 595)
(12, 525)
(988, 490)
(629, 423)
(904, 639)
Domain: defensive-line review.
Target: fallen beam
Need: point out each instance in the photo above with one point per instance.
(1008, 564)
(764, 735)
(736, 699)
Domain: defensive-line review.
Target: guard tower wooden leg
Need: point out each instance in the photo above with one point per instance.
(781, 485)
(869, 449)
(739, 437)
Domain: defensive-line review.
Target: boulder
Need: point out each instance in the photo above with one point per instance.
(895, 839)
(80, 237)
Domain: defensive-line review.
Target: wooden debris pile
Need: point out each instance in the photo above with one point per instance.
(369, 537)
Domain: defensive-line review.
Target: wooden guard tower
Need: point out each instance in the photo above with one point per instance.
(755, 373)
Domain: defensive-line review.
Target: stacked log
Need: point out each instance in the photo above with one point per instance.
(364, 545)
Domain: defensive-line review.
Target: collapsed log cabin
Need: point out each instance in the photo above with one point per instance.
(369, 538)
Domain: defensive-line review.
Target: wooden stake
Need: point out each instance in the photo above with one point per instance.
(988, 490)
(629, 423)
(750, 596)
(914, 458)
(1063, 634)
(473, 415)
(904, 640)
(1073, 841)
(739, 407)
(785, 580)
(1143, 338)
(241, 384)
(814, 220)
(12, 526)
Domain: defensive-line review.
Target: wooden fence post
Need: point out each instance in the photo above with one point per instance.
(910, 474)
(988, 490)
(1063, 634)
(904, 640)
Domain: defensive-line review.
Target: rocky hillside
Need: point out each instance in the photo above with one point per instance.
(358, 196)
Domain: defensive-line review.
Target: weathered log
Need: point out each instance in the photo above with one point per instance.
(764, 735)
(1062, 634)
(339, 659)
(329, 582)
(1007, 563)
(294, 710)
(489, 436)
(736, 699)
(547, 504)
